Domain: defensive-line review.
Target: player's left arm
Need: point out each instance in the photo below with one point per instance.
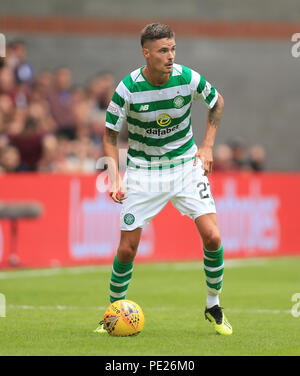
(205, 151)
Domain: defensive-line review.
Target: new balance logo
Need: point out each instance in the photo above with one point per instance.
(144, 107)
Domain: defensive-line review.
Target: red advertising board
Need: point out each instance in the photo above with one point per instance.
(257, 214)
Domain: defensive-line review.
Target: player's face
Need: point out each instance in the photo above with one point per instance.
(160, 54)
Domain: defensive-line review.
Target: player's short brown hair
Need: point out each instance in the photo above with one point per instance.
(156, 31)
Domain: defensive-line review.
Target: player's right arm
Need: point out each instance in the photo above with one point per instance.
(111, 153)
(115, 117)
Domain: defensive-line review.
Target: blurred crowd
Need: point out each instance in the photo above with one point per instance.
(49, 125)
(235, 155)
(46, 123)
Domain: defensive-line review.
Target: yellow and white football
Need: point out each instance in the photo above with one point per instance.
(123, 318)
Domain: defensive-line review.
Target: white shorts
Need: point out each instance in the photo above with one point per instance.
(148, 192)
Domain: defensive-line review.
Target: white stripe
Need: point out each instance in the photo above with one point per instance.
(118, 294)
(206, 91)
(155, 95)
(121, 274)
(214, 280)
(120, 284)
(177, 70)
(123, 91)
(209, 258)
(195, 82)
(117, 111)
(212, 291)
(135, 74)
(140, 78)
(211, 269)
(213, 102)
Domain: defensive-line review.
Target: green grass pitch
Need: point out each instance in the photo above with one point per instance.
(54, 311)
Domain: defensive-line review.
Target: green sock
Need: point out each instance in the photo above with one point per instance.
(214, 270)
(120, 278)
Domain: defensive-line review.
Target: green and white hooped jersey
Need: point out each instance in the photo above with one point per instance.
(159, 117)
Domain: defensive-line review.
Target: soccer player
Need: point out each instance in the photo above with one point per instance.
(163, 161)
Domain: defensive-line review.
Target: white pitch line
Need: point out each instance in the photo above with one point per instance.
(237, 310)
(56, 307)
(54, 271)
(102, 308)
(258, 311)
(196, 265)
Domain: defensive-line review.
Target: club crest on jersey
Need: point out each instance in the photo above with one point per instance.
(178, 101)
(163, 120)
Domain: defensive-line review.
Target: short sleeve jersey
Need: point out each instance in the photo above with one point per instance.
(159, 117)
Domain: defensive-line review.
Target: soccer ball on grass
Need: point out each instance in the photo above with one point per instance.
(123, 318)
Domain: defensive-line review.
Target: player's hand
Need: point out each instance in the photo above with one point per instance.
(118, 196)
(205, 154)
(117, 192)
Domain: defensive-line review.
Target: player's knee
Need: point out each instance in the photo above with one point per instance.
(212, 240)
(126, 253)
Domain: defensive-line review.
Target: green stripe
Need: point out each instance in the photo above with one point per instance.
(150, 141)
(118, 289)
(121, 268)
(211, 96)
(118, 99)
(201, 85)
(171, 154)
(153, 124)
(128, 82)
(214, 274)
(186, 74)
(112, 119)
(213, 263)
(158, 105)
(214, 254)
(216, 286)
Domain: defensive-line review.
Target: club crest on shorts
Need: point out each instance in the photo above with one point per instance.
(129, 218)
(178, 101)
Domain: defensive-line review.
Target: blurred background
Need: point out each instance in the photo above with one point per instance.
(64, 59)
